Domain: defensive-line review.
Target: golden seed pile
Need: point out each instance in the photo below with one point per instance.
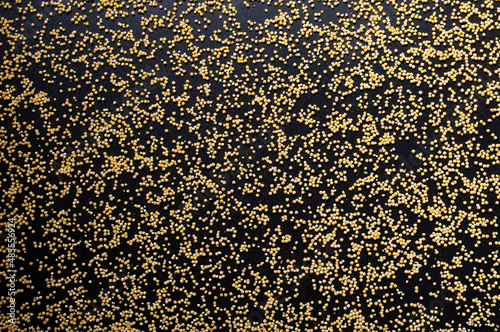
(271, 165)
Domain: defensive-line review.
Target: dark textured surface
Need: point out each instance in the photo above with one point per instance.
(131, 207)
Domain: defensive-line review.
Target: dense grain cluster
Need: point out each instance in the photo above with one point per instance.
(273, 165)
